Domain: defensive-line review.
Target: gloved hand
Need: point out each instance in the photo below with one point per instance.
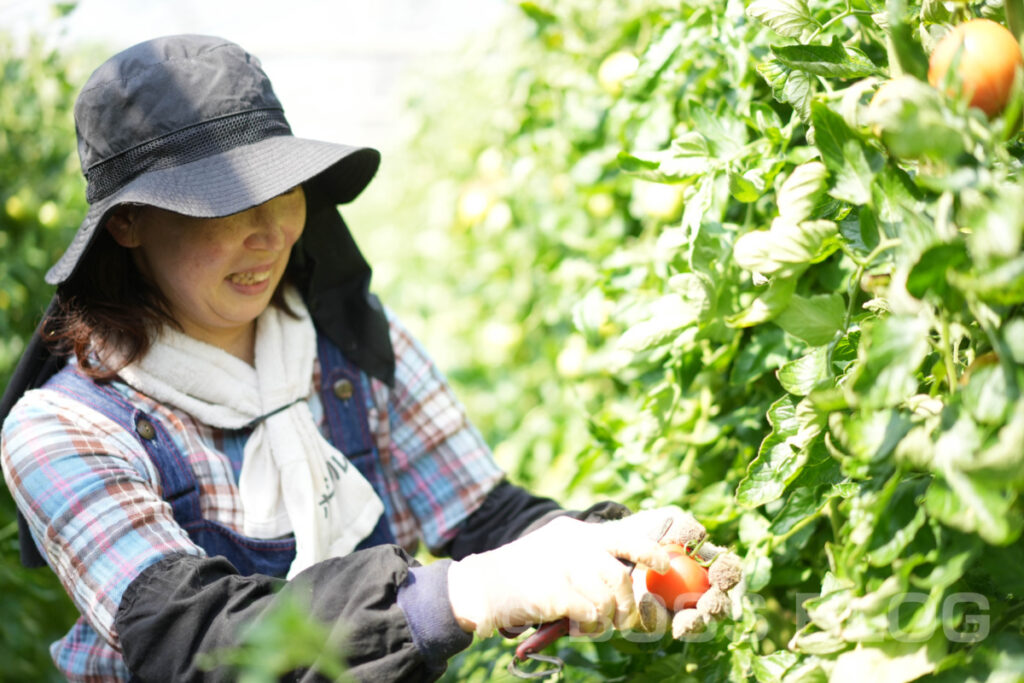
(724, 571)
(566, 568)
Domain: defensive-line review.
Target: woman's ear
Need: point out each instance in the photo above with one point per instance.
(122, 224)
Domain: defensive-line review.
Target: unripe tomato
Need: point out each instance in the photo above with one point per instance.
(684, 582)
(989, 58)
(615, 69)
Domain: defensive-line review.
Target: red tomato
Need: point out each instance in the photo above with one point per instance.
(683, 584)
(989, 58)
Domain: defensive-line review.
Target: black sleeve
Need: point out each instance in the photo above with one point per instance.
(510, 511)
(185, 605)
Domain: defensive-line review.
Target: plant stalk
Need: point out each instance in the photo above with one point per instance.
(1015, 18)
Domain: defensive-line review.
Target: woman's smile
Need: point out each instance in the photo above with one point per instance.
(251, 277)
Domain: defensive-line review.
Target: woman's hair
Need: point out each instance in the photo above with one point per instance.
(108, 312)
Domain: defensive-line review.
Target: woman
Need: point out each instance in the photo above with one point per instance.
(216, 413)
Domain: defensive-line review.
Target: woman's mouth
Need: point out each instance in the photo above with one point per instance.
(250, 277)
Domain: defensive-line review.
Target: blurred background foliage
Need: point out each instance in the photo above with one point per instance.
(42, 198)
(669, 254)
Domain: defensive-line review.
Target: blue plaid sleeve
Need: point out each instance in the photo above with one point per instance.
(86, 489)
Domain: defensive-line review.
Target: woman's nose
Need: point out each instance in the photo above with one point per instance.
(264, 230)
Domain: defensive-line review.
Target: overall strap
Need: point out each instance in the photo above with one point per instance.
(344, 394)
(180, 488)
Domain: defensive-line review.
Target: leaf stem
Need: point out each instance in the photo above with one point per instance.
(946, 349)
(862, 266)
(796, 528)
(848, 12)
(9, 531)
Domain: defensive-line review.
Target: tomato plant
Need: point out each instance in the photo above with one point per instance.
(787, 350)
(988, 57)
(682, 584)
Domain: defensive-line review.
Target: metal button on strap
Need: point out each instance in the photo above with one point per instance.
(145, 429)
(343, 389)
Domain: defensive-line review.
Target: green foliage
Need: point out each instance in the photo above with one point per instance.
(42, 196)
(702, 267)
(284, 639)
(41, 201)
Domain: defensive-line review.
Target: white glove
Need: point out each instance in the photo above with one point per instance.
(669, 524)
(566, 568)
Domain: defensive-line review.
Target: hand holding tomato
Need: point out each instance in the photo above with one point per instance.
(693, 592)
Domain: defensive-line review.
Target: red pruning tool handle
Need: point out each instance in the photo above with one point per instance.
(542, 637)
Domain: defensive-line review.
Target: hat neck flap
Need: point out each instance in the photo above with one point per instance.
(334, 279)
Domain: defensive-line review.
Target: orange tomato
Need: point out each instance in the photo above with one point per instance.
(988, 61)
(684, 582)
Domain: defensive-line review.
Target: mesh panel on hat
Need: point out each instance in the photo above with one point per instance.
(182, 147)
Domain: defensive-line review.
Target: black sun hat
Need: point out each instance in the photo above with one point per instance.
(191, 124)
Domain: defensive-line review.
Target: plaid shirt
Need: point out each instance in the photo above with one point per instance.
(93, 499)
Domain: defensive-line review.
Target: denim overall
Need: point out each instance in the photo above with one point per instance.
(344, 393)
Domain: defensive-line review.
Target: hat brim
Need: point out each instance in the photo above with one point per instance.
(230, 182)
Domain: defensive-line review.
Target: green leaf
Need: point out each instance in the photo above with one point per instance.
(834, 60)
(668, 315)
(687, 157)
(913, 122)
(800, 192)
(904, 45)
(812, 488)
(888, 360)
(757, 572)
(766, 306)
(889, 662)
(771, 668)
(786, 248)
(974, 506)
(725, 133)
(1002, 285)
(899, 520)
(789, 18)
(764, 351)
(540, 16)
(851, 164)
(928, 276)
(777, 462)
(814, 319)
(657, 58)
(794, 88)
(746, 188)
(802, 375)
(869, 436)
(1001, 457)
(986, 395)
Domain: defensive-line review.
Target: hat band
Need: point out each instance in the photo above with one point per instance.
(182, 147)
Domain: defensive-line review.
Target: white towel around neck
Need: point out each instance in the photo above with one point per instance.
(292, 480)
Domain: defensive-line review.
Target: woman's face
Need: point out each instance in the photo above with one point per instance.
(217, 274)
